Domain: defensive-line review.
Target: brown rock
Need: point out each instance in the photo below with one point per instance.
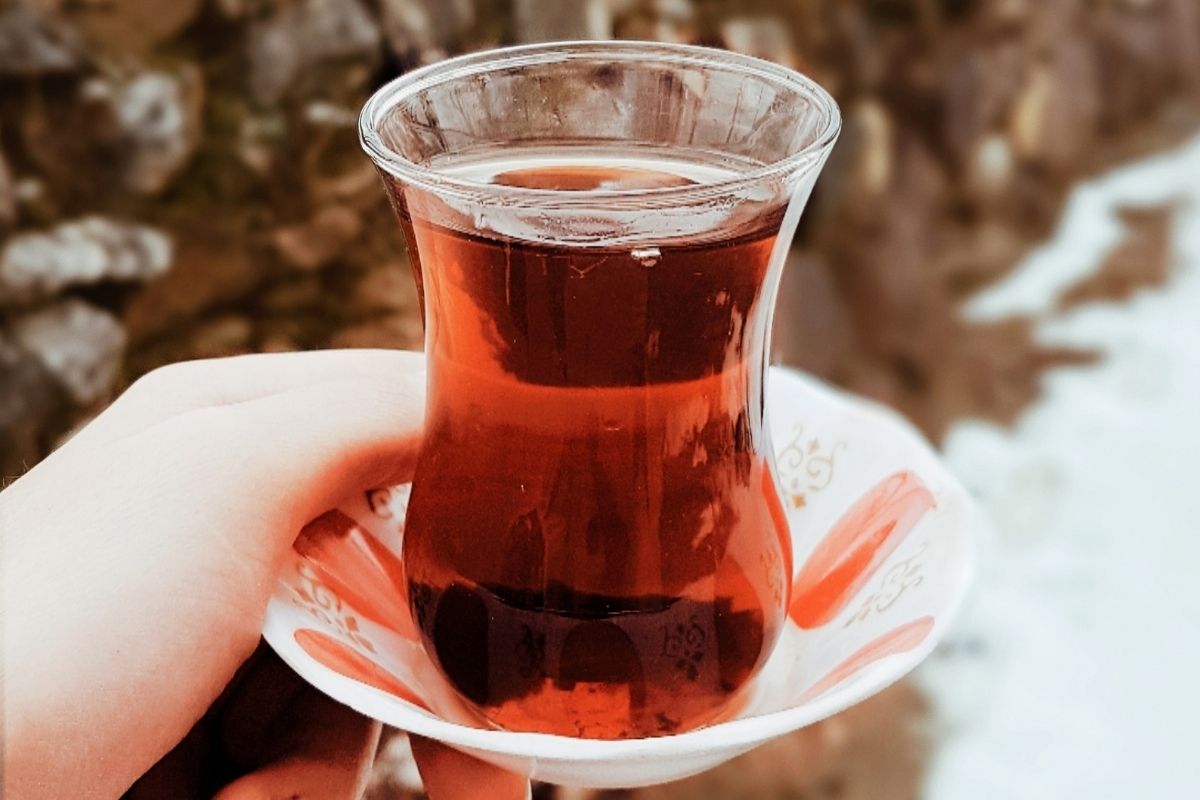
(1135, 48)
(79, 344)
(34, 204)
(226, 335)
(1141, 260)
(241, 9)
(61, 159)
(258, 138)
(401, 331)
(277, 343)
(129, 26)
(8, 195)
(875, 148)
(321, 113)
(659, 21)
(290, 296)
(208, 271)
(539, 21)
(159, 353)
(880, 381)
(1051, 22)
(301, 34)
(412, 27)
(900, 313)
(388, 287)
(1057, 114)
(1005, 13)
(977, 255)
(292, 332)
(989, 173)
(313, 244)
(158, 116)
(37, 265)
(32, 403)
(980, 89)
(355, 184)
(331, 166)
(992, 371)
(34, 42)
(813, 327)
(861, 169)
(141, 132)
(1183, 38)
(762, 37)
(1028, 126)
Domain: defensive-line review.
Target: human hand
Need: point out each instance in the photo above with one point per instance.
(138, 560)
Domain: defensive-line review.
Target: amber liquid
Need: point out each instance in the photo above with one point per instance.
(594, 544)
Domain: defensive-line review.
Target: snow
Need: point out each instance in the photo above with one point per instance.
(1073, 671)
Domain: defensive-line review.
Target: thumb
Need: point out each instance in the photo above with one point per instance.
(451, 775)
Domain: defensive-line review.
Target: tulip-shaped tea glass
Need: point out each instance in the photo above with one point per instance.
(595, 544)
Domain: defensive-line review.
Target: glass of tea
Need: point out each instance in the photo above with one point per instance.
(595, 544)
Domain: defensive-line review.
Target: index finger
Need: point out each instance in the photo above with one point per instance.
(189, 385)
(451, 775)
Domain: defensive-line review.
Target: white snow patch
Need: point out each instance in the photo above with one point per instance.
(1074, 671)
(1088, 230)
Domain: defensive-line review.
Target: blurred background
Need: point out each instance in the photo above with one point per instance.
(1005, 246)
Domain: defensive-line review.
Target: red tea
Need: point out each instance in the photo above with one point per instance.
(594, 543)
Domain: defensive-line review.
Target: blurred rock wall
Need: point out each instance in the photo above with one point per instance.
(182, 180)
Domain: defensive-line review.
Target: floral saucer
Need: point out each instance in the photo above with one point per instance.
(882, 537)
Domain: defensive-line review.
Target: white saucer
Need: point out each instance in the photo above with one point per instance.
(858, 479)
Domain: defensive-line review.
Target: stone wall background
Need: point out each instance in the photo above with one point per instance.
(182, 180)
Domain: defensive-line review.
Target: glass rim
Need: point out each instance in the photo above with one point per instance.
(431, 179)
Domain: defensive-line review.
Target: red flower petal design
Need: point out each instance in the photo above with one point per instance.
(348, 662)
(856, 546)
(359, 569)
(897, 640)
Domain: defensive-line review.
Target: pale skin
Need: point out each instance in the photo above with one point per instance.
(137, 562)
